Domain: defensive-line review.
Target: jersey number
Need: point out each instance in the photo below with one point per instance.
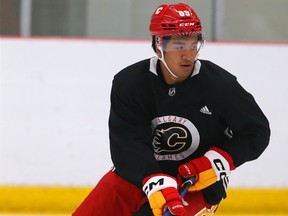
(184, 13)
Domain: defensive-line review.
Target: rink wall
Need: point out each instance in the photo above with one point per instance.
(54, 108)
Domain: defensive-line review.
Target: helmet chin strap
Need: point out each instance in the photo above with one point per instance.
(164, 62)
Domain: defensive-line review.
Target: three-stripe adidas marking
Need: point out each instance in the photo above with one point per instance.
(205, 110)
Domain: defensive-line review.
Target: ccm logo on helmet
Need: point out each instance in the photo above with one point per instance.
(187, 24)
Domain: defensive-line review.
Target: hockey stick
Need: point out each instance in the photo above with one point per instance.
(183, 190)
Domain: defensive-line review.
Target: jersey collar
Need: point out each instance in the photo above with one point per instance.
(154, 60)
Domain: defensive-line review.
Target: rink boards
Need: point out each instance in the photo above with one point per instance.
(63, 200)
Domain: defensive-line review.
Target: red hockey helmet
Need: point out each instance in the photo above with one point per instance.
(175, 19)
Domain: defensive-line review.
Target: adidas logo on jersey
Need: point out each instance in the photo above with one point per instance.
(205, 110)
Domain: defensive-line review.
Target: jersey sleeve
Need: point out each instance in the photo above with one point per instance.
(249, 125)
(130, 132)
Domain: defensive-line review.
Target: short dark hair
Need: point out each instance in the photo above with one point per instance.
(165, 40)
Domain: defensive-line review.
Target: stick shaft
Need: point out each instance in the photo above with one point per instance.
(183, 190)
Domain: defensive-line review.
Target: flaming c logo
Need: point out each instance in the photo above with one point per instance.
(174, 138)
(170, 140)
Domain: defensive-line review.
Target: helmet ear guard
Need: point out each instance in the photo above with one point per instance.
(156, 42)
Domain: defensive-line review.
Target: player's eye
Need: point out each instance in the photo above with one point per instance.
(179, 48)
(194, 46)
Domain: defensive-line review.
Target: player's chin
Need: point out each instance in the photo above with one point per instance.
(186, 71)
(183, 77)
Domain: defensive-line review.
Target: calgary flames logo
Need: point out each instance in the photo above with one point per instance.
(170, 140)
(174, 138)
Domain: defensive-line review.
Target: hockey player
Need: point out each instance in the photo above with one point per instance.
(172, 117)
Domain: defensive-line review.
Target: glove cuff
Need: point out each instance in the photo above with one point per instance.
(226, 156)
(158, 182)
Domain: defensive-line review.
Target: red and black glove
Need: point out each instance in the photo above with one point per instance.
(215, 165)
(161, 191)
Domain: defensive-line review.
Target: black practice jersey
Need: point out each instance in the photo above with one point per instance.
(155, 127)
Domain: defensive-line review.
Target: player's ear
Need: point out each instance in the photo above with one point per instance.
(158, 53)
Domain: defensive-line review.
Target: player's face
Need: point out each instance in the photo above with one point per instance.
(180, 53)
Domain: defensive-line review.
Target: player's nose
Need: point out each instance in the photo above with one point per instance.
(187, 55)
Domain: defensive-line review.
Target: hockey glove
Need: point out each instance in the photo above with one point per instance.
(161, 191)
(215, 165)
